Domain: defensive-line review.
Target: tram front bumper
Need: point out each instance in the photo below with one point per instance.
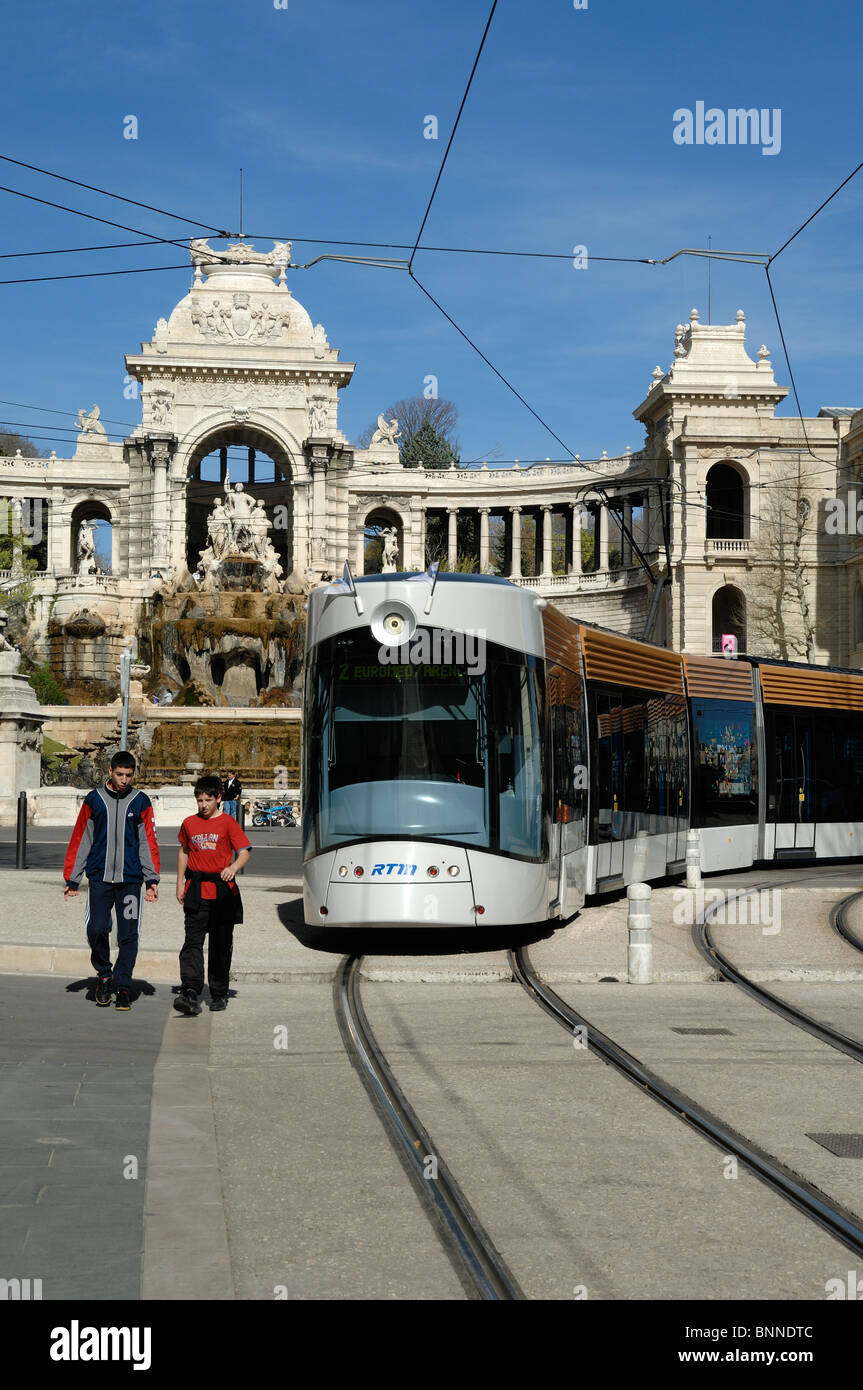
(394, 887)
(400, 905)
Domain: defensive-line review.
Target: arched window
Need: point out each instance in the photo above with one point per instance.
(382, 539)
(92, 539)
(240, 454)
(726, 504)
(729, 616)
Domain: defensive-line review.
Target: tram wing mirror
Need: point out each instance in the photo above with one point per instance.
(346, 585)
(430, 577)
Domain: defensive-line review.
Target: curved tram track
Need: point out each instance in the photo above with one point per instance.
(833, 1217)
(462, 1232)
(852, 1047)
(839, 923)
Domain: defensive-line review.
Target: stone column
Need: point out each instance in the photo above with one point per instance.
(21, 721)
(160, 451)
(603, 537)
(626, 545)
(452, 537)
(546, 571)
(422, 562)
(483, 539)
(515, 561)
(575, 538)
(59, 532)
(316, 497)
(301, 553)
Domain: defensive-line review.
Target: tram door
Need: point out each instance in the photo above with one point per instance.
(795, 786)
(677, 754)
(610, 807)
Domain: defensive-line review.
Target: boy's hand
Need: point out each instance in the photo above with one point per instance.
(70, 892)
(152, 893)
(228, 874)
(180, 887)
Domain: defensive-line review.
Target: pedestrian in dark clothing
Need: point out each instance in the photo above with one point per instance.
(114, 842)
(231, 793)
(209, 895)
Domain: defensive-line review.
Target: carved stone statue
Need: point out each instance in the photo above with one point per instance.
(319, 340)
(318, 417)
(161, 404)
(390, 549)
(237, 529)
(258, 527)
(86, 549)
(386, 433)
(90, 425)
(5, 644)
(218, 527)
(239, 253)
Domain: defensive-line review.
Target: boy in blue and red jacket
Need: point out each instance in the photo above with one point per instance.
(114, 841)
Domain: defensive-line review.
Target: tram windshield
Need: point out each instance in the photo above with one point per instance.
(422, 751)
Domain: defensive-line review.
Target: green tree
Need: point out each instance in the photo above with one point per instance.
(428, 449)
(413, 413)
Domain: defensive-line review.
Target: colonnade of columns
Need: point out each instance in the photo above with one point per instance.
(544, 513)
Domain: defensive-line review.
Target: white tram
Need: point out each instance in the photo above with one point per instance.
(472, 757)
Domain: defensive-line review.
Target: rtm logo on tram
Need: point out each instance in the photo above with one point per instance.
(402, 870)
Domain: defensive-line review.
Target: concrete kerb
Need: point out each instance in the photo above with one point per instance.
(590, 949)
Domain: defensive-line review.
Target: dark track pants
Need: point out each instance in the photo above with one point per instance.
(211, 917)
(127, 901)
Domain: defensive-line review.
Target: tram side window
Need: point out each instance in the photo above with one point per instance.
(569, 757)
(725, 763)
(608, 779)
(634, 762)
(838, 782)
(515, 725)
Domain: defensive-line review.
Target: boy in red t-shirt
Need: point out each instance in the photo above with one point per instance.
(210, 897)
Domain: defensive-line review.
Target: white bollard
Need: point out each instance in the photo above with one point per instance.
(638, 872)
(640, 951)
(693, 858)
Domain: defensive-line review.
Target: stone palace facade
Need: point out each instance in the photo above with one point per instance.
(717, 524)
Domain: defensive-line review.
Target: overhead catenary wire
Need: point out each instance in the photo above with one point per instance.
(119, 197)
(453, 131)
(749, 257)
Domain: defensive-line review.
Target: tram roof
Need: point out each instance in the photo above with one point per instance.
(446, 577)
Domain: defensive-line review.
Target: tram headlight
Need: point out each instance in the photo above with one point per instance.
(343, 871)
(453, 870)
(393, 623)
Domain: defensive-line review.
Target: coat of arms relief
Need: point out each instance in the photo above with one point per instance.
(226, 322)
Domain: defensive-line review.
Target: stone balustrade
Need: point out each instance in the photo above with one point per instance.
(575, 583)
(727, 548)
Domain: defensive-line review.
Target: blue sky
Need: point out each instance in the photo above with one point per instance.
(566, 139)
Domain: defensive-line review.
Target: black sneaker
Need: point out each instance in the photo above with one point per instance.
(186, 1002)
(123, 1000)
(217, 1002)
(104, 990)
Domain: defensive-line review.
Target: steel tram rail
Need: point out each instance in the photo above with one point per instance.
(807, 1198)
(703, 940)
(838, 921)
(462, 1227)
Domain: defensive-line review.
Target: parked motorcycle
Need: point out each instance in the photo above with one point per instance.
(272, 814)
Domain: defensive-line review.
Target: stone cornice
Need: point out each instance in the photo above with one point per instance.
(192, 369)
